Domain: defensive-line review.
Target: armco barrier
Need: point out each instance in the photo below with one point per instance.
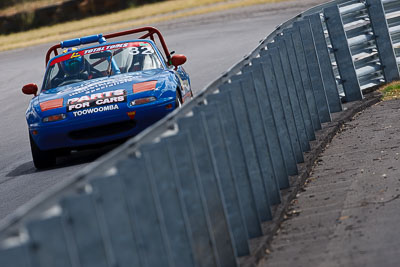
(195, 187)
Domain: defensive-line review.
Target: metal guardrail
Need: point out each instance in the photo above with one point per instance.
(193, 189)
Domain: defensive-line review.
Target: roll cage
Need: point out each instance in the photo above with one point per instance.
(149, 32)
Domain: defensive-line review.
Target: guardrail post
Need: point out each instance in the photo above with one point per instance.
(209, 180)
(270, 126)
(204, 243)
(16, 256)
(49, 243)
(344, 60)
(292, 93)
(144, 213)
(383, 40)
(314, 69)
(273, 52)
(237, 160)
(245, 132)
(211, 123)
(259, 138)
(287, 107)
(111, 205)
(305, 77)
(279, 113)
(287, 37)
(83, 226)
(328, 76)
(168, 200)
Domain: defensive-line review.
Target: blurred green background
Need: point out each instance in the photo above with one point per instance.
(8, 3)
(22, 15)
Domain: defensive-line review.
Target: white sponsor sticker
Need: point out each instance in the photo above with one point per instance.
(97, 99)
(95, 110)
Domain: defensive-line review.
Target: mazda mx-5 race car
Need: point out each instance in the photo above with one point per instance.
(102, 93)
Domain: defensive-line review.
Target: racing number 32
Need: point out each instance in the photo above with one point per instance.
(145, 50)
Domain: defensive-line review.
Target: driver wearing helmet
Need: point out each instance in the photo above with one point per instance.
(74, 67)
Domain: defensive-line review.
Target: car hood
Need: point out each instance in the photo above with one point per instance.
(105, 84)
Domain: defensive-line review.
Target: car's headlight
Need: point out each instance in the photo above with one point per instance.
(142, 101)
(57, 117)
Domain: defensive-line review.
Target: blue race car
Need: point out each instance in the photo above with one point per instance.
(102, 93)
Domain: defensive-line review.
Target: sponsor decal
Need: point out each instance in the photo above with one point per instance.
(95, 110)
(74, 55)
(134, 45)
(95, 100)
(89, 87)
(104, 48)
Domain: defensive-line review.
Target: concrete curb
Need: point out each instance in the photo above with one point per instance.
(259, 246)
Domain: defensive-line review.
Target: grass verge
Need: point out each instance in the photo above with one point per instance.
(391, 91)
(129, 18)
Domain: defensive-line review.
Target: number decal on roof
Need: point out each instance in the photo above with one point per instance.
(145, 50)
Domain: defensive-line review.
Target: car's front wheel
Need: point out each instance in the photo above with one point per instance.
(41, 159)
(178, 99)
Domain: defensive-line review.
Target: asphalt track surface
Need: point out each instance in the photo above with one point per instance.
(212, 43)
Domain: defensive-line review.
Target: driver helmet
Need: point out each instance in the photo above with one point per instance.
(75, 65)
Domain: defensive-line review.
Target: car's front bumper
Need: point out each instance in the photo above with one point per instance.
(110, 126)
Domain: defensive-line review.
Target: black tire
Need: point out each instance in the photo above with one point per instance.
(41, 159)
(178, 99)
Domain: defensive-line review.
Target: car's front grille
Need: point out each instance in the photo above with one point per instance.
(104, 130)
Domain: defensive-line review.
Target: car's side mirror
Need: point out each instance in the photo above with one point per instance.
(178, 60)
(30, 89)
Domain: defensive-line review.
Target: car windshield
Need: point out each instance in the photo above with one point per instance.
(91, 63)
